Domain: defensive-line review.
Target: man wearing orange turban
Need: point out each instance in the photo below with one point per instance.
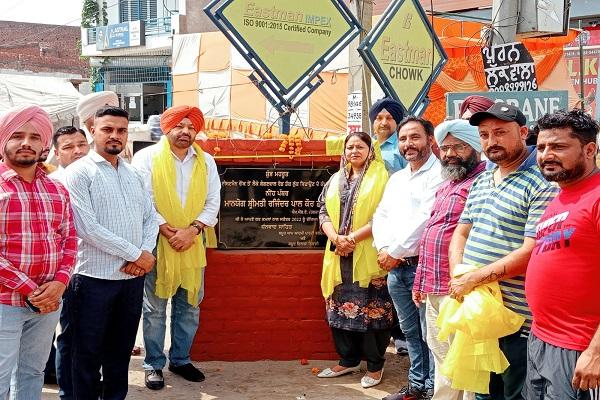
(184, 183)
(174, 115)
(38, 247)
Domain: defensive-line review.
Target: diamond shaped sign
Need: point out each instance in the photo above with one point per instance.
(291, 41)
(404, 54)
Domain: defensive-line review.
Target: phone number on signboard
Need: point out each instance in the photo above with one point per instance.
(515, 86)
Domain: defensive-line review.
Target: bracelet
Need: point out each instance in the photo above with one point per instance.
(196, 225)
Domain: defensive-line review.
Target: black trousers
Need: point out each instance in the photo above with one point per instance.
(104, 319)
(352, 347)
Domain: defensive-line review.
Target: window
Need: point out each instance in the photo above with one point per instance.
(133, 10)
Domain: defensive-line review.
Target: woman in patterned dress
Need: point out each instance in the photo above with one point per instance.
(358, 305)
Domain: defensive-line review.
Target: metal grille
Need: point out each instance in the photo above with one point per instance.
(112, 76)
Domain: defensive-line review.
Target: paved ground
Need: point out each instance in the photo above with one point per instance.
(264, 380)
(260, 380)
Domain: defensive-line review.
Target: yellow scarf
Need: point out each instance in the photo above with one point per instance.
(477, 323)
(364, 257)
(179, 269)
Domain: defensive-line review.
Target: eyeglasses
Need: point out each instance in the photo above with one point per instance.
(458, 147)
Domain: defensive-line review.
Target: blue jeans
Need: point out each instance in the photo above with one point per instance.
(25, 340)
(104, 319)
(184, 322)
(413, 324)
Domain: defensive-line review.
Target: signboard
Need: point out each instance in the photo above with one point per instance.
(271, 208)
(354, 114)
(290, 41)
(590, 68)
(533, 104)
(404, 54)
(508, 67)
(126, 34)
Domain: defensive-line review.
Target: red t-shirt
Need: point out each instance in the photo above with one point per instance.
(562, 284)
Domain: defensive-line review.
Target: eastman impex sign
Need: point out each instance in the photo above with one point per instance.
(403, 53)
(288, 39)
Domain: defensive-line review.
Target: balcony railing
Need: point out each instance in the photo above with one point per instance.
(153, 27)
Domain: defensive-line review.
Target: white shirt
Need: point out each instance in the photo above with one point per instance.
(114, 216)
(142, 161)
(58, 175)
(405, 207)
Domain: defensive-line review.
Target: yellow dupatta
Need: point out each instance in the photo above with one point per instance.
(477, 323)
(173, 268)
(364, 257)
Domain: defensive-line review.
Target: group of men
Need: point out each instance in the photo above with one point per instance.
(96, 244)
(528, 211)
(80, 245)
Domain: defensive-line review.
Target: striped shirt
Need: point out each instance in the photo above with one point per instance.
(433, 274)
(114, 216)
(38, 242)
(501, 217)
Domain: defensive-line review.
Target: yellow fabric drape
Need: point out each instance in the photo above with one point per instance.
(364, 257)
(179, 269)
(477, 323)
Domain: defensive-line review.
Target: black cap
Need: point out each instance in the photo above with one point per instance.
(503, 111)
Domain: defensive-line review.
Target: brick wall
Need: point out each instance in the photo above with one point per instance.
(20, 45)
(263, 305)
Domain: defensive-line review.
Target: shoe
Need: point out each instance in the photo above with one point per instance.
(367, 381)
(400, 346)
(407, 393)
(188, 372)
(329, 373)
(154, 379)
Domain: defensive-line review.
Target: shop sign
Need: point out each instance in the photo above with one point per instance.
(354, 114)
(533, 104)
(126, 34)
(289, 40)
(271, 208)
(508, 67)
(404, 54)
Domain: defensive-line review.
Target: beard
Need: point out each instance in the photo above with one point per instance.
(113, 148)
(501, 154)
(563, 175)
(422, 154)
(459, 171)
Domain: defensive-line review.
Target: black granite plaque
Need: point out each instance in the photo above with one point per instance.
(274, 208)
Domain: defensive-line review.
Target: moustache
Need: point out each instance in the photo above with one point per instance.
(114, 142)
(496, 148)
(557, 163)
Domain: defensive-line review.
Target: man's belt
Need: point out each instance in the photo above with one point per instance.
(409, 262)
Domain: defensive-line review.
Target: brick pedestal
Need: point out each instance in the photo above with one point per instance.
(263, 305)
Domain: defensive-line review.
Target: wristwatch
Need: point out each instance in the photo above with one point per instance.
(198, 226)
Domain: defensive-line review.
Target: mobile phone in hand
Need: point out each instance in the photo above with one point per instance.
(31, 307)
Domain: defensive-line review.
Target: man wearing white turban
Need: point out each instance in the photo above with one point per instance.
(89, 104)
(38, 247)
(460, 150)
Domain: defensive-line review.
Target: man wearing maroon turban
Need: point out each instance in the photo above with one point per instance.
(184, 183)
(38, 247)
(473, 104)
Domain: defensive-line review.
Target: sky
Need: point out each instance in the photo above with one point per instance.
(56, 12)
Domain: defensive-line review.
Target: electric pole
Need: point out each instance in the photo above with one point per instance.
(358, 73)
(505, 16)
